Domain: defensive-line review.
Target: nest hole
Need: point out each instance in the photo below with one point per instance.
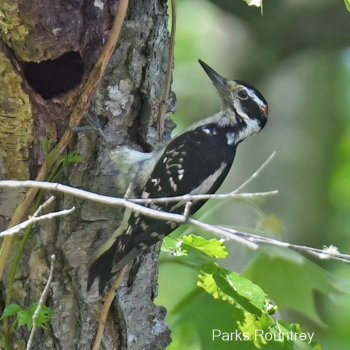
(54, 77)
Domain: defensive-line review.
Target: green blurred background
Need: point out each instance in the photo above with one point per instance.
(298, 55)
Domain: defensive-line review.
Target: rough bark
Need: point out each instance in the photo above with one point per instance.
(127, 102)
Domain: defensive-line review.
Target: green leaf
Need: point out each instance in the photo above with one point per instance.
(169, 245)
(194, 250)
(263, 330)
(62, 162)
(290, 280)
(24, 317)
(347, 4)
(204, 313)
(10, 310)
(213, 247)
(44, 315)
(207, 282)
(252, 325)
(251, 310)
(236, 289)
(284, 327)
(247, 289)
(73, 157)
(257, 3)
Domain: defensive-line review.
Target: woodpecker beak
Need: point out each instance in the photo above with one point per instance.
(218, 81)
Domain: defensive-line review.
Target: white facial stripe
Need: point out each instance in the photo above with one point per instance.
(252, 128)
(256, 99)
(253, 96)
(241, 113)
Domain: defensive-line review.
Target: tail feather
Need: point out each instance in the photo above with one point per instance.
(102, 268)
(110, 261)
(132, 238)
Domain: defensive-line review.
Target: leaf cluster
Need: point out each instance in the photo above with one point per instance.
(24, 317)
(251, 308)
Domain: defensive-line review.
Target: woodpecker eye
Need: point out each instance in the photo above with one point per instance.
(242, 94)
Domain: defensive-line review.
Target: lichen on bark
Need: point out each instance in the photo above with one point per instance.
(16, 126)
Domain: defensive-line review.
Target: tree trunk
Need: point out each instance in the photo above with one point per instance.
(36, 100)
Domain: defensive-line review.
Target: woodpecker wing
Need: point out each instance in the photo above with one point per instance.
(194, 162)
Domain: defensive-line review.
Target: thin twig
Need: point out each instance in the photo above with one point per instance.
(163, 103)
(178, 218)
(41, 302)
(54, 186)
(92, 196)
(32, 220)
(228, 234)
(249, 239)
(326, 253)
(197, 197)
(106, 306)
(187, 210)
(267, 161)
(43, 206)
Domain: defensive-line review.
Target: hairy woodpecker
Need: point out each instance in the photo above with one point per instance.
(196, 161)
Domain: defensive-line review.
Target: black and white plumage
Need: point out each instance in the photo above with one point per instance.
(194, 162)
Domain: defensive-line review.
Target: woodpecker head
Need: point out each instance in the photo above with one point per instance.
(240, 99)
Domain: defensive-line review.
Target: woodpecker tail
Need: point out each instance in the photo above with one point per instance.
(117, 248)
(101, 267)
(135, 235)
(110, 258)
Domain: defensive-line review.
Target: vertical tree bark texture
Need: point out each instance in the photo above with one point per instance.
(35, 102)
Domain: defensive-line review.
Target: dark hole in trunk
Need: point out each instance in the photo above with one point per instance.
(54, 77)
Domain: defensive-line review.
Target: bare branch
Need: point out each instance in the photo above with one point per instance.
(41, 302)
(325, 253)
(52, 186)
(197, 197)
(223, 232)
(187, 210)
(43, 206)
(178, 218)
(267, 161)
(33, 219)
(92, 196)
(248, 239)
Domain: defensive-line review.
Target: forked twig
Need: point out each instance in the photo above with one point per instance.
(167, 216)
(33, 219)
(248, 239)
